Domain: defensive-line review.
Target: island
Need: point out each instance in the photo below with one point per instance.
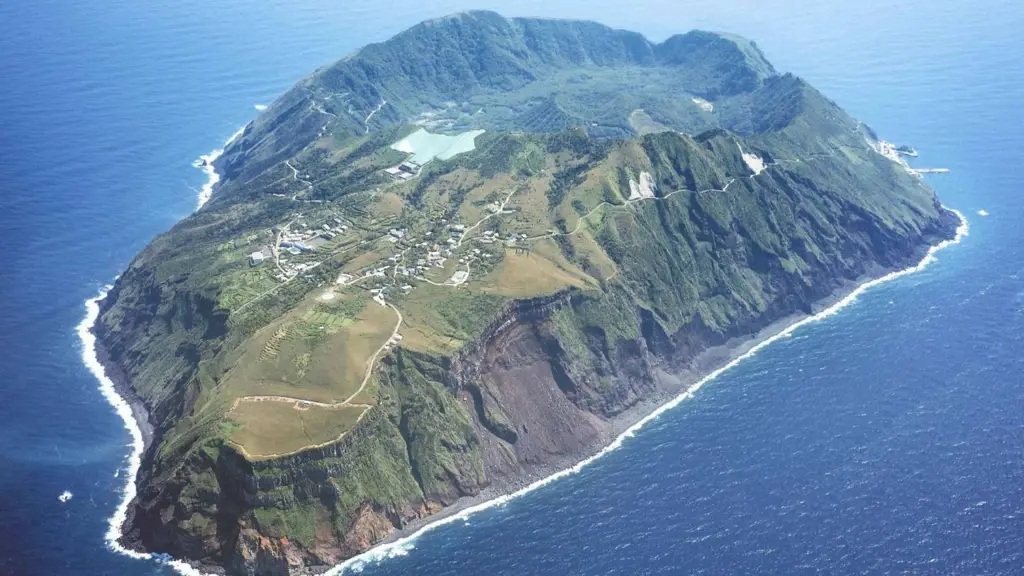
(460, 260)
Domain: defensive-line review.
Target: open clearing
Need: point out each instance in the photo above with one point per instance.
(319, 352)
(268, 429)
(312, 379)
(524, 275)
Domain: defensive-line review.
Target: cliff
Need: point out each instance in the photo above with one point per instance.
(417, 334)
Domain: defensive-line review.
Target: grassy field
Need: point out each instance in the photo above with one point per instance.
(522, 275)
(642, 123)
(268, 428)
(440, 319)
(319, 351)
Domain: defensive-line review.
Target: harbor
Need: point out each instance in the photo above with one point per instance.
(897, 153)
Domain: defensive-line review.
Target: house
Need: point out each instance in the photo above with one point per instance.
(256, 258)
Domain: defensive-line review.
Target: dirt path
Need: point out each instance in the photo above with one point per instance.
(295, 174)
(366, 123)
(501, 210)
(373, 359)
(300, 403)
(249, 456)
(316, 106)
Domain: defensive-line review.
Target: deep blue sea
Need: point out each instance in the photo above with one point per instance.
(888, 438)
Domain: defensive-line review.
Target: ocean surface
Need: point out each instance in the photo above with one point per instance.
(886, 438)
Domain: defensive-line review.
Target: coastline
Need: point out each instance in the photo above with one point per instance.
(133, 415)
(627, 424)
(624, 426)
(115, 389)
(402, 541)
(205, 163)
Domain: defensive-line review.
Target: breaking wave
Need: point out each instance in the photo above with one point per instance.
(124, 410)
(205, 162)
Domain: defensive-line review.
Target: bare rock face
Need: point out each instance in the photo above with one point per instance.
(256, 554)
(369, 528)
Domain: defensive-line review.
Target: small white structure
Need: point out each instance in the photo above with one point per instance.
(458, 278)
(256, 258)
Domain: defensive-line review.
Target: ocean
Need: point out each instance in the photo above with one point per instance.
(884, 438)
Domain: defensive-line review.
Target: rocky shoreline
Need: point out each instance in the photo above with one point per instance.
(140, 413)
(669, 387)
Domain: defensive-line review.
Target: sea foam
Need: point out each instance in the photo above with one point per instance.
(122, 407)
(403, 546)
(124, 410)
(212, 177)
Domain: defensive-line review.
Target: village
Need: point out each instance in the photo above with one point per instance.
(439, 256)
(436, 253)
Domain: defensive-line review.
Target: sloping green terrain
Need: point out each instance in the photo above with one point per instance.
(344, 341)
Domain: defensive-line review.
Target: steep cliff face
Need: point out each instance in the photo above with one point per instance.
(541, 386)
(602, 270)
(538, 397)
